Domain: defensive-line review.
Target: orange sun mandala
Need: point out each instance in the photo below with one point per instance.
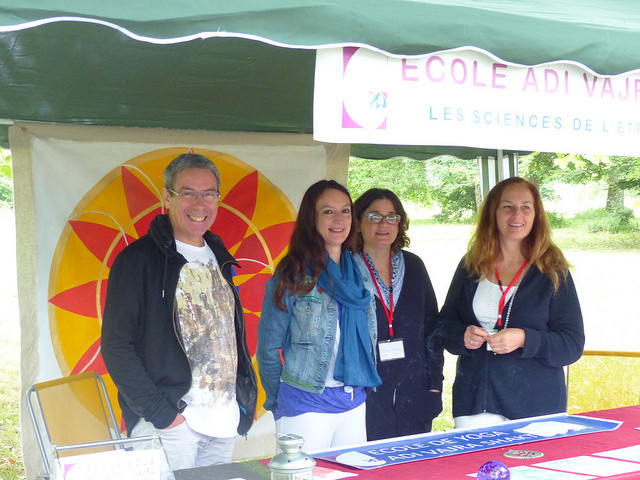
(255, 220)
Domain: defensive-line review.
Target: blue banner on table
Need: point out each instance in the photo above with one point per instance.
(444, 444)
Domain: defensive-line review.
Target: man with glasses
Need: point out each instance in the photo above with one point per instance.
(173, 333)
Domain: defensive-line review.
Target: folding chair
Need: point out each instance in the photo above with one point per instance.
(72, 415)
(627, 390)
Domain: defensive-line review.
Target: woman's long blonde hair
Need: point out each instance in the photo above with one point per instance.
(537, 247)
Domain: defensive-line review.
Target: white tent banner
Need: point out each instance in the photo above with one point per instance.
(468, 97)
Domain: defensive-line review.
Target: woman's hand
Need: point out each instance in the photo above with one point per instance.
(474, 337)
(507, 340)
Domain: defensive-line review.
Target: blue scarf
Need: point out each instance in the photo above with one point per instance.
(355, 364)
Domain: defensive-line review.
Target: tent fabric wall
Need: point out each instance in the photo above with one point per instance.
(586, 31)
(248, 66)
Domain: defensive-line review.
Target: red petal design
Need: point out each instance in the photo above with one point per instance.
(81, 299)
(252, 292)
(252, 249)
(98, 238)
(139, 197)
(91, 361)
(142, 225)
(251, 326)
(243, 195)
(276, 237)
(229, 226)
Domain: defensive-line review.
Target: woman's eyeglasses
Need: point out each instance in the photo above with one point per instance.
(377, 218)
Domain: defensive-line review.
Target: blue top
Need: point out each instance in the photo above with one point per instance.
(293, 401)
(304, 336)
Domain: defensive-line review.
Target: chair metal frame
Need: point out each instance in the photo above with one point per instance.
(600, 353)
(49, 451)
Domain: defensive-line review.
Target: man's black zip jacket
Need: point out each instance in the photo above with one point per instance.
(140, 344)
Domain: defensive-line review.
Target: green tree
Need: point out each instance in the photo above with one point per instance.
(618, 174)
(540, 168)
(404, 176)
(446, 181)
(6, 179)
(453, 184)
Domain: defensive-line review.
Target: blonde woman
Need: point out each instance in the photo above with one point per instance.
(511, 314)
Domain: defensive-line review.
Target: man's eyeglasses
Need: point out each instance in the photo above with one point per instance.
(192, 196)
(377, 218)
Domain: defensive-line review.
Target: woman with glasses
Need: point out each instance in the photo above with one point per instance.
(512, 314)
(409, 360)
(317, 314)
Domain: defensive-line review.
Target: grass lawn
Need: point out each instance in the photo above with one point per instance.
(10, 449)
(595, 383)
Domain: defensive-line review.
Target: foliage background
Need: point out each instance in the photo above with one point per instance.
(6, 179)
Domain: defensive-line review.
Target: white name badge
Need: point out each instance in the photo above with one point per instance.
(391, 349)
(493, 331)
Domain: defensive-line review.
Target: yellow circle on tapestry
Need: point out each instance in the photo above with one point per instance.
(255, 220)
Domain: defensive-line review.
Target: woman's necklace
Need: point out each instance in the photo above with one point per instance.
(506, 320)
(504, 295)
(388, 311)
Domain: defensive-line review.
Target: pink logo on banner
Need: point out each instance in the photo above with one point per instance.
(371, 106)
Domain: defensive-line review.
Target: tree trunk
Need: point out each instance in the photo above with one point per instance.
(615, 195)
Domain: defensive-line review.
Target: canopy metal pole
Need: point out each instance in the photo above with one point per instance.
(493, 170)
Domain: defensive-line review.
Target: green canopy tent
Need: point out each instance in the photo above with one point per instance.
(248, 65)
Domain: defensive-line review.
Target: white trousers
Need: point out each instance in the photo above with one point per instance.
(322, 431)
(478, 420)
(186, 448)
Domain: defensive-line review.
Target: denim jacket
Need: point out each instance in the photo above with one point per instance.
(306, 335)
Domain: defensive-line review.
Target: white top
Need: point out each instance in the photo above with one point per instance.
(485, 303)
(329, 380)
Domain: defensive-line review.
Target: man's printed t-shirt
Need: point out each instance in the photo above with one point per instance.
(205, 307)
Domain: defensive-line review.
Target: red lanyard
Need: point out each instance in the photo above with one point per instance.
(387, 311)
(504, 292)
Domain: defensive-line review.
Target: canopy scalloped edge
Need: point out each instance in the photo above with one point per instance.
(258, 38)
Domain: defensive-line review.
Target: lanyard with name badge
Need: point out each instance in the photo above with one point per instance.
(393, 348)
(502, 302)
(505, 292)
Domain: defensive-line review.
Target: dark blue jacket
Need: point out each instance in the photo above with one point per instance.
(403, 404)
(140, 345)
(528, 381)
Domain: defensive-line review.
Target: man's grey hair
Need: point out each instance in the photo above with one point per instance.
(188, 160)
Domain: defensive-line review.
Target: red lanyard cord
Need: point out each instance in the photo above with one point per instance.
(387, 311)
(504, 292)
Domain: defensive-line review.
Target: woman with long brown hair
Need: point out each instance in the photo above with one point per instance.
(511, 314)
(317, 312)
